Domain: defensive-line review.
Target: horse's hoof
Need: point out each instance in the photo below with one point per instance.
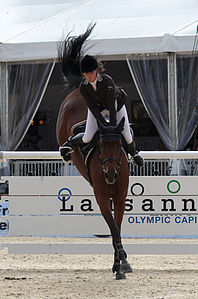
(126, 268)
(120, 276)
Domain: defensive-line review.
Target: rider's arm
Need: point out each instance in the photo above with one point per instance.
(93, 107)
(111, 97)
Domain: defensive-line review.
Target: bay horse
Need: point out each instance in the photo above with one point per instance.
(108, 163)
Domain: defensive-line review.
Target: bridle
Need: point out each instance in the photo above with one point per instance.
(117, 164)
(111, 134)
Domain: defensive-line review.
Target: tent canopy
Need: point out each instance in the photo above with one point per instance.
(32, 28)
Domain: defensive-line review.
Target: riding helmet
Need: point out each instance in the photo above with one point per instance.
(88, 64)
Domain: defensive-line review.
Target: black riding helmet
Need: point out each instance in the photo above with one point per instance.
(88, 64)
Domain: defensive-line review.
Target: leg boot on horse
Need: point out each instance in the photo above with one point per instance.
(117, 267)
(120, 255)
(123, 267)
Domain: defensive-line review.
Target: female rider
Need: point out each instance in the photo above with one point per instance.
(102, 96)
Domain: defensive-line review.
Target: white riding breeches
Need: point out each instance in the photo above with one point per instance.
(92, 126)
(127, 131)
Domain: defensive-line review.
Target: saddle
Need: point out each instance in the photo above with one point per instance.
(87, 149)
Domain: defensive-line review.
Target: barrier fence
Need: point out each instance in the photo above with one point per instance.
(4, 155)
(160, 206)
(59, 168)
(50, 164)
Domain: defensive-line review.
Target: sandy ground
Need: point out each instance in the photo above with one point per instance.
(90, 276)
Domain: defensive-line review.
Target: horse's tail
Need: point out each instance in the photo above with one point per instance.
(69, 53)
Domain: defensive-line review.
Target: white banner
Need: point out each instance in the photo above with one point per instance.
(154, 206)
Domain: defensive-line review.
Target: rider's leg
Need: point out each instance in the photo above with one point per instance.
(75, 140)
(128, 136)
(91, 127)
(127, 131)
(90, 130)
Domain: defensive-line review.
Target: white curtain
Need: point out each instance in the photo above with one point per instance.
(150, 74)
(187, 97)
(26, 86)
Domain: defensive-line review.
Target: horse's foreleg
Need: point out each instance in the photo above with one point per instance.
(119, 206)
(104, 204)
(116, 265)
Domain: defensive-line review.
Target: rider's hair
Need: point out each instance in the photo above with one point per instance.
(101, 68)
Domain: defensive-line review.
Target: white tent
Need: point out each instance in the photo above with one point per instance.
(31, 28)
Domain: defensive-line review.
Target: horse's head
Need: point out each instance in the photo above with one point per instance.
(110, 150)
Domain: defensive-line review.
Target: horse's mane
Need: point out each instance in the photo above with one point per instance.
(69, 54)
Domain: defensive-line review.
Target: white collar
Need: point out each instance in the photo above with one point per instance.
(98, 78)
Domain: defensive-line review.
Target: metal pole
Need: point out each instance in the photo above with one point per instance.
(172, 99)
(56, 155)
(4, 103)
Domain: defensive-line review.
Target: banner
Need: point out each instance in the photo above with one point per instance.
(154, 206)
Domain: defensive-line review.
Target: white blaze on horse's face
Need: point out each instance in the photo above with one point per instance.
(91, 76)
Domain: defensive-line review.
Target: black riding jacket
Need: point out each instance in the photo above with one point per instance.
(103, 98)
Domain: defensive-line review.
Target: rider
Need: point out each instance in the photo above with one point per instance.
(101, 96)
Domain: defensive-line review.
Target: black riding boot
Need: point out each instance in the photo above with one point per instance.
(67, 148)
(75, 140)
(134, 153)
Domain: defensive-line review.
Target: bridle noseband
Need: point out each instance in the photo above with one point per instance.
(118, 163)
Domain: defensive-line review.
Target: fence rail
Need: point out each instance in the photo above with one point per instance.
(7, 155)
(163, 163)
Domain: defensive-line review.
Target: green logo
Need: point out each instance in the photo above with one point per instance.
(173, 186)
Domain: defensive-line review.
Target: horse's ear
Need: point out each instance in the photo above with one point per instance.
(101, 127)
(120, 126)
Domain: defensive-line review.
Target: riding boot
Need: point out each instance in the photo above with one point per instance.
(67, 148)
(134, 153)
(75, 140)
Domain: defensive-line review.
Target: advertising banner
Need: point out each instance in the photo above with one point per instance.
(154, 206)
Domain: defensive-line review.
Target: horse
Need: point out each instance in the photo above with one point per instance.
(107, 163)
